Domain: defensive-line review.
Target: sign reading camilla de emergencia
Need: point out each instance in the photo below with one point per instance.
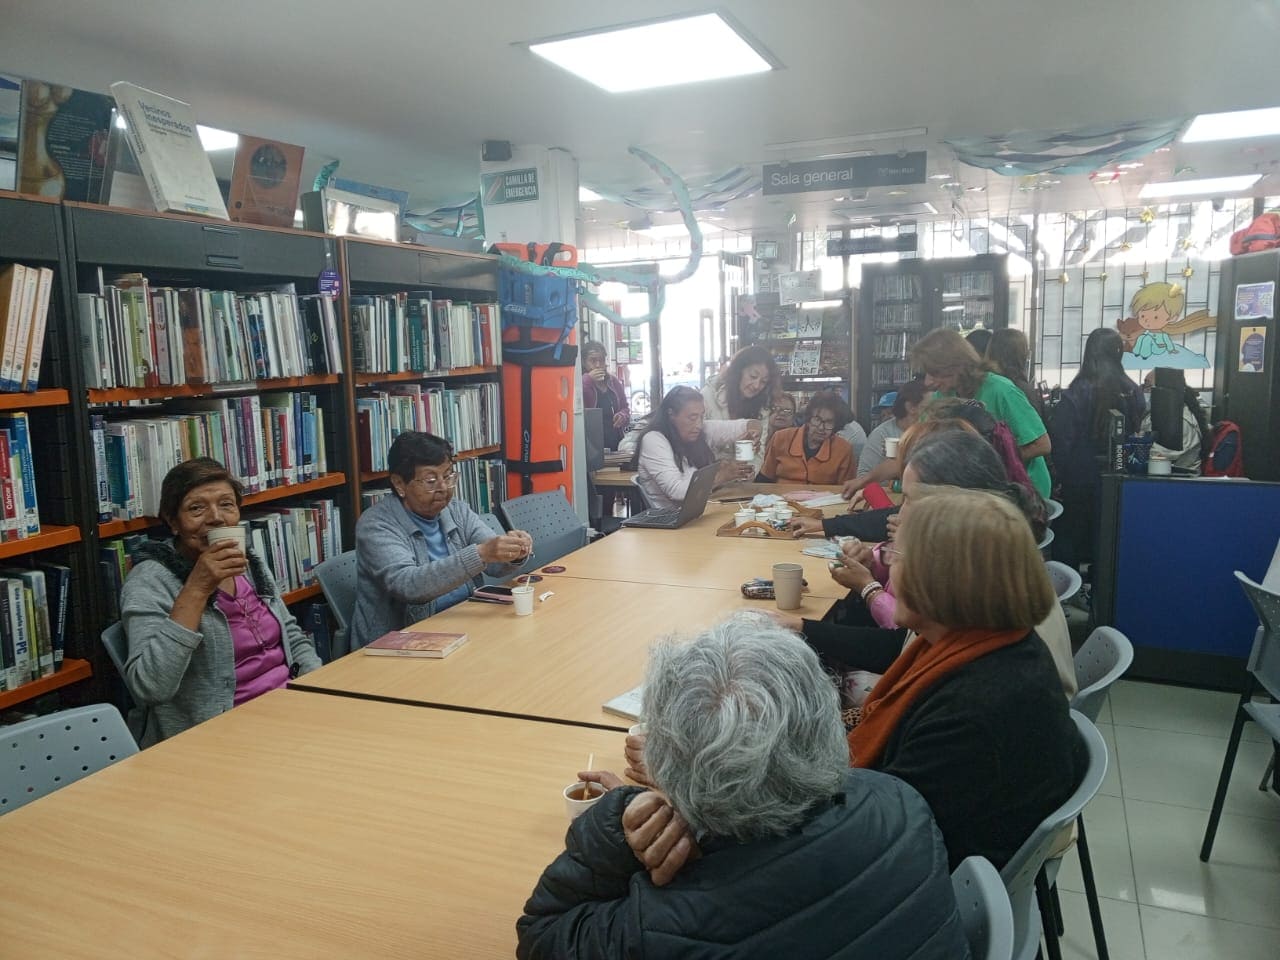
(510, 186)
(837, 173)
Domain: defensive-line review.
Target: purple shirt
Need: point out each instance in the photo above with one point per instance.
(255, 635)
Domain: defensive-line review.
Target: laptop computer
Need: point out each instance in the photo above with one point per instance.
(695, 502)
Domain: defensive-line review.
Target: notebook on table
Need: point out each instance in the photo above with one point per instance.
(695, 502)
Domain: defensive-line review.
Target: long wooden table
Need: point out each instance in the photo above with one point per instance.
(298, 826)
(584, 645)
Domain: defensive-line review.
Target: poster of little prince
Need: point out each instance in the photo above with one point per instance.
(1152, 324)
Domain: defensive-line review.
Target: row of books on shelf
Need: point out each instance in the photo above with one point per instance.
(893, 346)
(969, 314)
(969, 283)
(470, 416)
(292, 541)
(812, 358)
(408, 331)
(266, 440)
(897, 317)
(481, 485)
(21, 509)
(135, 335)
(24, 314)
(898, 286)
(33, 622)
(884, 375)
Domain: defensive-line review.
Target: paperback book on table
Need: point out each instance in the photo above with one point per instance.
(415, 643)
(162, 132)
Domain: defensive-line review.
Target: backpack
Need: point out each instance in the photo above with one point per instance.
(1262, 234)
(1224, 453)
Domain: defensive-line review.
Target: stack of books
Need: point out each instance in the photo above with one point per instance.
(33, 622)
(469, 416)
(21, 511)
(295, 540)
(24, 313)
(403, 332)
(135, 335)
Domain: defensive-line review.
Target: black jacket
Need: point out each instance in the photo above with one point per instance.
(865, 876)
(993, 749)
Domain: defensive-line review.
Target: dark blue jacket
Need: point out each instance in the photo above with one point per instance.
(865, 876)
(1076, 446)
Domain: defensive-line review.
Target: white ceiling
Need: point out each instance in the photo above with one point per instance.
(404, 91)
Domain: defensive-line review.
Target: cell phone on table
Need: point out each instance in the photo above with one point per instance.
(876, 497)
(492, 594)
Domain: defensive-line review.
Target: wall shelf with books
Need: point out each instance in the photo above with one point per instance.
(812, 343)
(37, 398)
(50, 536)
(99, 397)
(72, 671)
(301, 594)
(373, 476)
(408, 376)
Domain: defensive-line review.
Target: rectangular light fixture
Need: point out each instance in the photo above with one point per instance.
(662, 53)
(1235, 125)
(1205, 188)
(906, 133)
(671, 231)
(587, 195)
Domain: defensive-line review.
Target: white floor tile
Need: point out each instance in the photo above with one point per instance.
(1159, 706)
(1111, 785)
(1182, 769)
(1104, 714)
(1241, 882)
(1172, 935)
(1119, 920)
(1108, 850)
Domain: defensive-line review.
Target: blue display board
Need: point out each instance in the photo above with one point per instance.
(1178, 543)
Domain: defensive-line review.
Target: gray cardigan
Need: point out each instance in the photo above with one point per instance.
(397, 582)
(183, 677)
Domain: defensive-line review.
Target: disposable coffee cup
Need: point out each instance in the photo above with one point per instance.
(1158, 465)
(637, 729)
(744, 451)
(783, 513)
(580, 797)
(890, 447)
(523, 597)
(788, 580)
(743, 516)
(218, 534)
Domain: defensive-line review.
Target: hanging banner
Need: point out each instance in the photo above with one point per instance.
(855, 246)
(801, 286)
(840, 173)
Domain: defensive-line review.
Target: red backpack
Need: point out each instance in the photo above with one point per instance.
(1224, 455)
(1262, 234)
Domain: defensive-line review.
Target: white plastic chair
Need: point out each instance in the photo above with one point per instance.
(985, 911)
(1046, 545)
(44, 754)
(1066, 581)
(1054, 510)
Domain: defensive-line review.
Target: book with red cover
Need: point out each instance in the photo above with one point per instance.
(875, 496)
(415, 643)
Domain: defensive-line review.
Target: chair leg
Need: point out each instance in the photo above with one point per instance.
(1057, 911)
(1224, 780)
(1266, 774)
(1046, 917)
(1091, 891)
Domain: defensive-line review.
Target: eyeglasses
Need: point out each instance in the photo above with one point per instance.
(430, 484)
(822, 422)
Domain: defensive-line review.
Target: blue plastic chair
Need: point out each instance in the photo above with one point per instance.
(337, 577)
(547, 517)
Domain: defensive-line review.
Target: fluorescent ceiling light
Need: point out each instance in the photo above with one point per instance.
(1211, 185)
(904, 134)
(587, 195)
(1236, 125)
(668, 231)
(211, 138)
(661, 54)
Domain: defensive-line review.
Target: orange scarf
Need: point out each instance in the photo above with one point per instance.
(917, 670)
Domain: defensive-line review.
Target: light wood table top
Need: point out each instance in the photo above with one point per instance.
(613, 477)
(298, 826)
(584, 645)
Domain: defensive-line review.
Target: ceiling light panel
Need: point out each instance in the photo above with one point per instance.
(1205, 187)
(1236, 125)
(666, 53)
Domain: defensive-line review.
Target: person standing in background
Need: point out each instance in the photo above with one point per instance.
(1009, 355)
(602, 389)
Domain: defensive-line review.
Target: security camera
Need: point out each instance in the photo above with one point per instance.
(1218, 204)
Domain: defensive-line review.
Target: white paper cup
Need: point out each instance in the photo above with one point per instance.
(218, 534)
(743, 516)
(637, 729)
(788, 581)
(575, 808)
(783, 513)
(767, 515)
(744, 451)
(891, 447)
(523, 597)
(1158, 465)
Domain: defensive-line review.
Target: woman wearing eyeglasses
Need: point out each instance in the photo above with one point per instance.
(421, 551)
(811, 453)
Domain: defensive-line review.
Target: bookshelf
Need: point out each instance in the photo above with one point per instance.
(811, 343)
(903, 301)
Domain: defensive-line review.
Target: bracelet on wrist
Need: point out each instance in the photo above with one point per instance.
(870, 590)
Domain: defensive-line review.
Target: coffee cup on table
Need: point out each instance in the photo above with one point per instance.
(744, 451)
(743, 516)
(891, 447)
(523, 599)
(579, 798)
(234, 532)
(788, 582)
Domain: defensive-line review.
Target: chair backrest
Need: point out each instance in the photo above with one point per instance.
(117, 646)
(1053, 510)
(41, 755)
(337, 577)
(548, 518)
(644, 497)
(493, 523)
(1103, 660)
(1046, 545)
(1019, 874)
(1264, 659)
(1066, 580)
(985, 910)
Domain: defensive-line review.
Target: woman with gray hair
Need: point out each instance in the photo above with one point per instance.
(781, 850)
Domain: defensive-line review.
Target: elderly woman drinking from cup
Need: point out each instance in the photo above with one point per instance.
(811, 453)
(422, 550)
(761, 842)
(205, 624)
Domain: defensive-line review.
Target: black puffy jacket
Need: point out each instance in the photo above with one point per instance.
(865, 876)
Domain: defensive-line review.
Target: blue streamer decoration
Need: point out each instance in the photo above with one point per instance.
(325, 174)
(1028, 152)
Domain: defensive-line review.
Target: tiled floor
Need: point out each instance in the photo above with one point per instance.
(1145, 828)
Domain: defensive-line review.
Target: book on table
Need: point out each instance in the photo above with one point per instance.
(627, 705)
(415, 643)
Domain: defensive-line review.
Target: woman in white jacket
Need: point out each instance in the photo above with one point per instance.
(745, 391)
(678, 440)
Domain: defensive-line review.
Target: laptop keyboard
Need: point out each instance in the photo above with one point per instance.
(664, 517)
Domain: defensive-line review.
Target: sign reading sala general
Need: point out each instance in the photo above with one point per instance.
(837, 173)
(510, 186)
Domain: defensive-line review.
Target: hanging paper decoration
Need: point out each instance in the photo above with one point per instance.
(326, 174)
(1069, 151)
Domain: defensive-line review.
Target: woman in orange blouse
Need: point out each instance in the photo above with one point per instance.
(812, 453)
